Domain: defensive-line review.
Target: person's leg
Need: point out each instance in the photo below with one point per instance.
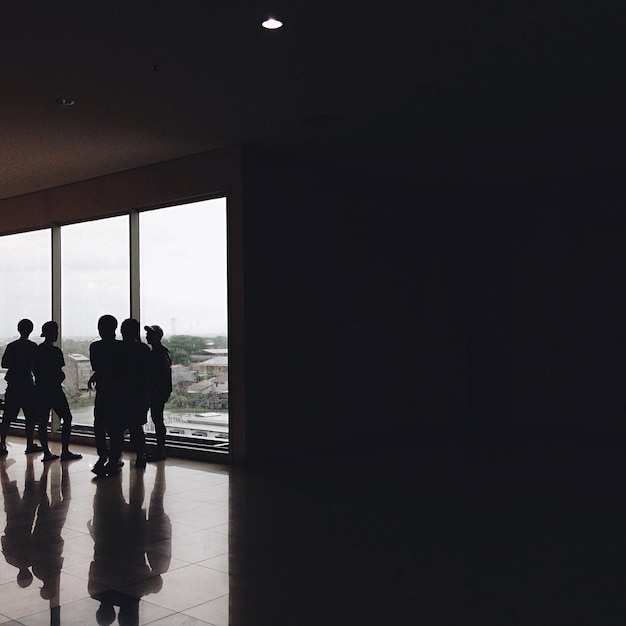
(62, 409)
(156, 413)
(100, 432)
(11, 409)
(44, 406)
(100, 418)
(137, 417)
(114, 417)
(29, 407)
(31, 423)
(115, 430)
(138, 442)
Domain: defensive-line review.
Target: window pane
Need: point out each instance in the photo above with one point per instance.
(184, 290)
(25, 285)
(95, 279)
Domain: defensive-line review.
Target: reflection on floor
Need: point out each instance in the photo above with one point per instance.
(145, 547)
(474, 532)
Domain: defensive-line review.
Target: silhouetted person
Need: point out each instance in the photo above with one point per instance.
(20, 516)
(18, 358)
(47, 540)
(160, 386)
(136, 391)
(106, 362)
(48, 369)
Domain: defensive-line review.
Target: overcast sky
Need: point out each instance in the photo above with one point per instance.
(183, 272)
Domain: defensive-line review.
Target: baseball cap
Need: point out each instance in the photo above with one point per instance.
(157, 330)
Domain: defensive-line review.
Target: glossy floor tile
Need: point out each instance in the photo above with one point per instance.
(471, 532)
(137, 548)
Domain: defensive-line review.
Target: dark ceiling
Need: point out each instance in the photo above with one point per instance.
(445, 89)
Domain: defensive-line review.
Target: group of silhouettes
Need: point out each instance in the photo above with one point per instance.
(130, 378)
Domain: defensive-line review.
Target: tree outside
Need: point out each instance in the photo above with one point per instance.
(181, 347)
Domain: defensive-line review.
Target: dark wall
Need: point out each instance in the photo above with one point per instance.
(548, 306)
(383, 313)
(355, 308)
(365, 312)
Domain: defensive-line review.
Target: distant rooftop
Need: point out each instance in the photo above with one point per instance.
(216, 360)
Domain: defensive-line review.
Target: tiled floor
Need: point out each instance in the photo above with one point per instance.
(146, 547)
(478, 532)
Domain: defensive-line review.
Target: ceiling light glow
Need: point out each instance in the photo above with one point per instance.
(271, 23)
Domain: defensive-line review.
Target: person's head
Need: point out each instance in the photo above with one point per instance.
(154, 334)
(130, 329)
(24, 577)
(107, 325)
(25, 327)
(50, 330)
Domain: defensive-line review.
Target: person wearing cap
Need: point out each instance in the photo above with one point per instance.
(160, 382)
(48, 367)
(20, 393)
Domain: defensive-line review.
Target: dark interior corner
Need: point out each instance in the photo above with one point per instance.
(414, 310)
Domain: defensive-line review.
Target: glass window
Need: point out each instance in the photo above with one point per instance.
(184, 290)
(95, 279)
(25, 285)
(182, 274)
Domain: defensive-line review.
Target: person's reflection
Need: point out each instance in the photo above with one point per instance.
(107, 533)
(130, 548)
(159, 528)
(20, 516)
(32, 539)
(47, 543)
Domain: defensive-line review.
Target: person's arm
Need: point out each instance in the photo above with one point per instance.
(165, 373)
(36, 360)
(61, 365)
(6, 358)
(93, 358)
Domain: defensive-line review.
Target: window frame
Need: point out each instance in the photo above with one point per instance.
(181, 446)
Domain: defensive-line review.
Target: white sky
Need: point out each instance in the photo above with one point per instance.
(183, 272)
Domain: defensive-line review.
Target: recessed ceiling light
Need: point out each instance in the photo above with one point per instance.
(66, 102)
(271, 23)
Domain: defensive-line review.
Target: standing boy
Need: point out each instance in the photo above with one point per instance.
(106, 363)
(18, 358)
(136, 393)
(48, 370)
(160, 379)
